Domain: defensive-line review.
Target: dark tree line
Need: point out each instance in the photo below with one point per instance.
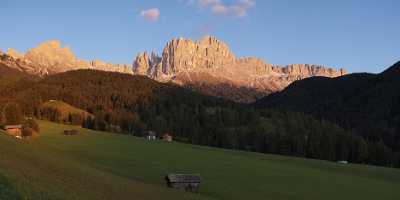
(56, 115)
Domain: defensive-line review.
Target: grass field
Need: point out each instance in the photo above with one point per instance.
(65, 109)
(97, 165)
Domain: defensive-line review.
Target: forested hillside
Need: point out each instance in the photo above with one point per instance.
(366, 104)
(133, 105)
(10, 76)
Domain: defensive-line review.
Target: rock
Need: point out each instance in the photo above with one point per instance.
(182, 55)
(207, 63)
(141, 65)
(51, 58)
(210, 62)
(15, 54)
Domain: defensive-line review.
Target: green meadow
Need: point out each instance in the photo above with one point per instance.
(97, 165)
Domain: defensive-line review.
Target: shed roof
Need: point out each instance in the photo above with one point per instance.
(151, 133)
(183, 178)
(12, 127)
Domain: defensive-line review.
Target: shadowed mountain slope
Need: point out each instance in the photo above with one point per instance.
(366, 103)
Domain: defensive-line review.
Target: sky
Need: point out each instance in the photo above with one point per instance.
(358, 35)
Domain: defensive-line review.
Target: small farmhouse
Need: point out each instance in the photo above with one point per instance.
(14, 130)
(186, 182)
(167, 137)
(151, 135)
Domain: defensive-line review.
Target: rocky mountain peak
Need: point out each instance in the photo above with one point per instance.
(186, 55)
(15, 54)
(209, 40)
(212, 42)
(51, 45)
(146, 64)
(51, 57)
(309, 70)
(207, 64)
(141, 65)
(210, 61)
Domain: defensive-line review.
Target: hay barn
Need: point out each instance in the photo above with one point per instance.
(14, 130)
(185, 182)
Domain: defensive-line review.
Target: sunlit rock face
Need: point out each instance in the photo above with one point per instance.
(209, 62)
(50, 58)
(207, 66)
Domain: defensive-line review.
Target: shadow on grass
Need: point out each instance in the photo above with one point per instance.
(7, 191)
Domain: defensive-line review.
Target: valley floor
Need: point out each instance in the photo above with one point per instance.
(96, 165)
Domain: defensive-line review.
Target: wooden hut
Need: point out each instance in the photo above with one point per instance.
(167, 137)
(185, 182)
(14, 130)
(70, 132)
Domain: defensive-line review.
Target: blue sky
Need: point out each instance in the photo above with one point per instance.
(358, 35)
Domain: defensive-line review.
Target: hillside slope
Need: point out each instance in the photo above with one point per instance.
(60, 111)
(10, 76)
(98, 165)
(134, 105)
(48, 168)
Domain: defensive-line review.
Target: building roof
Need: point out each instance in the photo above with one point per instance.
(183, 178)
(12, 127)
(167, 136)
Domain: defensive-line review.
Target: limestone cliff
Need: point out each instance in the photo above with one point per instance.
(210, 62)
(50, 58)
(207, 66)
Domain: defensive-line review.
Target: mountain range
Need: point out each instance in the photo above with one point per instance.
(207, 66)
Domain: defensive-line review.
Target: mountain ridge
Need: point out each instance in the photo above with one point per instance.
(182, 61)
(215, 54)
(188, 63)
(50, 58)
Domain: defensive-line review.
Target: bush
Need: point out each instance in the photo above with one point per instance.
(31, 123)
(29, 132)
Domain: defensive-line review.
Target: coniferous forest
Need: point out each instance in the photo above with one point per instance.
(134, 105)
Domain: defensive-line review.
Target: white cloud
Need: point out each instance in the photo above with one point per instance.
(220, 9)
(151, 15)
(239, 9)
